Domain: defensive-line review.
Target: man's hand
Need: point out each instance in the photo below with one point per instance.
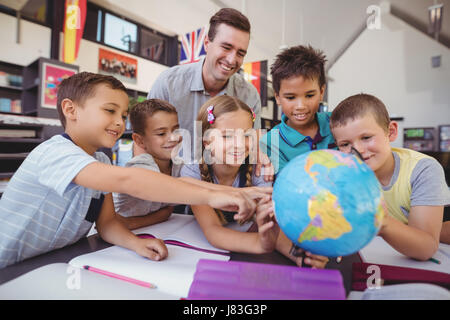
(264, 162)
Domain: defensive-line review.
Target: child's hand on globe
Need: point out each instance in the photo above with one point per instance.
(313, 260)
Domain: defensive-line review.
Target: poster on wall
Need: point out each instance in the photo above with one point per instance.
(122, 67)
(52, 75)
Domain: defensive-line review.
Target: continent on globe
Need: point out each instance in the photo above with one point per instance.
(326, 216)
(379, 215)
(326, 159)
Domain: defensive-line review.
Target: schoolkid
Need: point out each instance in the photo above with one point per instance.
(413, 183)
(63, 186)
(298, 79)
(228, 145)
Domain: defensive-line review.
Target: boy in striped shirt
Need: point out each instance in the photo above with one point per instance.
(64, 185)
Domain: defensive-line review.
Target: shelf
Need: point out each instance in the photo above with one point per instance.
(21, 140)
(126, 135)
(11, 88)
(12, 113)
(14, 156)
(5, 175)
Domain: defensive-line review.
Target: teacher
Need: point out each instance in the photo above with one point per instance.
(189, 86)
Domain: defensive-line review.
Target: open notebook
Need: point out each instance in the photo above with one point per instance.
(380, 252)
(186, 244)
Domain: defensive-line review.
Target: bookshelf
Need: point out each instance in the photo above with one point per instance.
(34, 118)
(10, 87)
(19, 135)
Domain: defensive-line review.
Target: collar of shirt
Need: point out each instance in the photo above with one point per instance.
(292, 137)
(197, 80)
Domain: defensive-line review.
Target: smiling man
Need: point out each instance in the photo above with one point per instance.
(189, 86)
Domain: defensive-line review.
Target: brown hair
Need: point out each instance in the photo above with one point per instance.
(228, 16)
(222, 104)
(358, 106)
(141, 111)
(298, 61)
(81, 86)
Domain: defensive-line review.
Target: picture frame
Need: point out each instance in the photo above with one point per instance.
(52, 74)
(117, 65)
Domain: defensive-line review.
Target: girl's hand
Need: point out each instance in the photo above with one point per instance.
(268, 229)
(153, 249)
(253, 193)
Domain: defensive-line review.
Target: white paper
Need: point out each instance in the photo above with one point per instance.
(172, 275)
(380, 252)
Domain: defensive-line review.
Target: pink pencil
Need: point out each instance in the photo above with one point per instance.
(118, 276)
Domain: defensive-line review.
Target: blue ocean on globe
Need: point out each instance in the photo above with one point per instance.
(328, 202)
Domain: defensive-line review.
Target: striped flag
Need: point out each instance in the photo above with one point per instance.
(256, 74)
(192, 46)
(75, 18)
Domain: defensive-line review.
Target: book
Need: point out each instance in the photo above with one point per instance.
(380, 260)
(235, 280)
(364, 274)
(186, 244)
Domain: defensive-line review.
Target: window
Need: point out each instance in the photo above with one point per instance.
(35, 10)
(153, 46)
(32, 10)
(105, 27)
(93, 26)
(120, 33)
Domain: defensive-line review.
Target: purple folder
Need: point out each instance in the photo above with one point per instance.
(235, 280)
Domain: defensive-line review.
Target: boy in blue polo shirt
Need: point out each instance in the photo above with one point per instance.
(298, 79)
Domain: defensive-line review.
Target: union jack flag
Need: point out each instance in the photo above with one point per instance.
(192, 46)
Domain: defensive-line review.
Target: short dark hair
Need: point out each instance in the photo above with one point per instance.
(81, 86)
(228, 16)
(358, 106)
(298, 61)
(141, 111)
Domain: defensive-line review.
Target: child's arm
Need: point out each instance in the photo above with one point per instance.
(445, 232)
(114, 232)
(154, 186)
(418, 239)
(224, 238)
(146, 220)
(251, 192)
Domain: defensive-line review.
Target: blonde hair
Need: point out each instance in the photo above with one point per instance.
(222, 104)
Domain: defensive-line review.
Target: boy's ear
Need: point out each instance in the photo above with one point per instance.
(393, 131)
(69, 109)
(277, 98)
(322, 91)
(138, 139)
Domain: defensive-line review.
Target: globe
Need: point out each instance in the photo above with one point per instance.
(328, 202)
